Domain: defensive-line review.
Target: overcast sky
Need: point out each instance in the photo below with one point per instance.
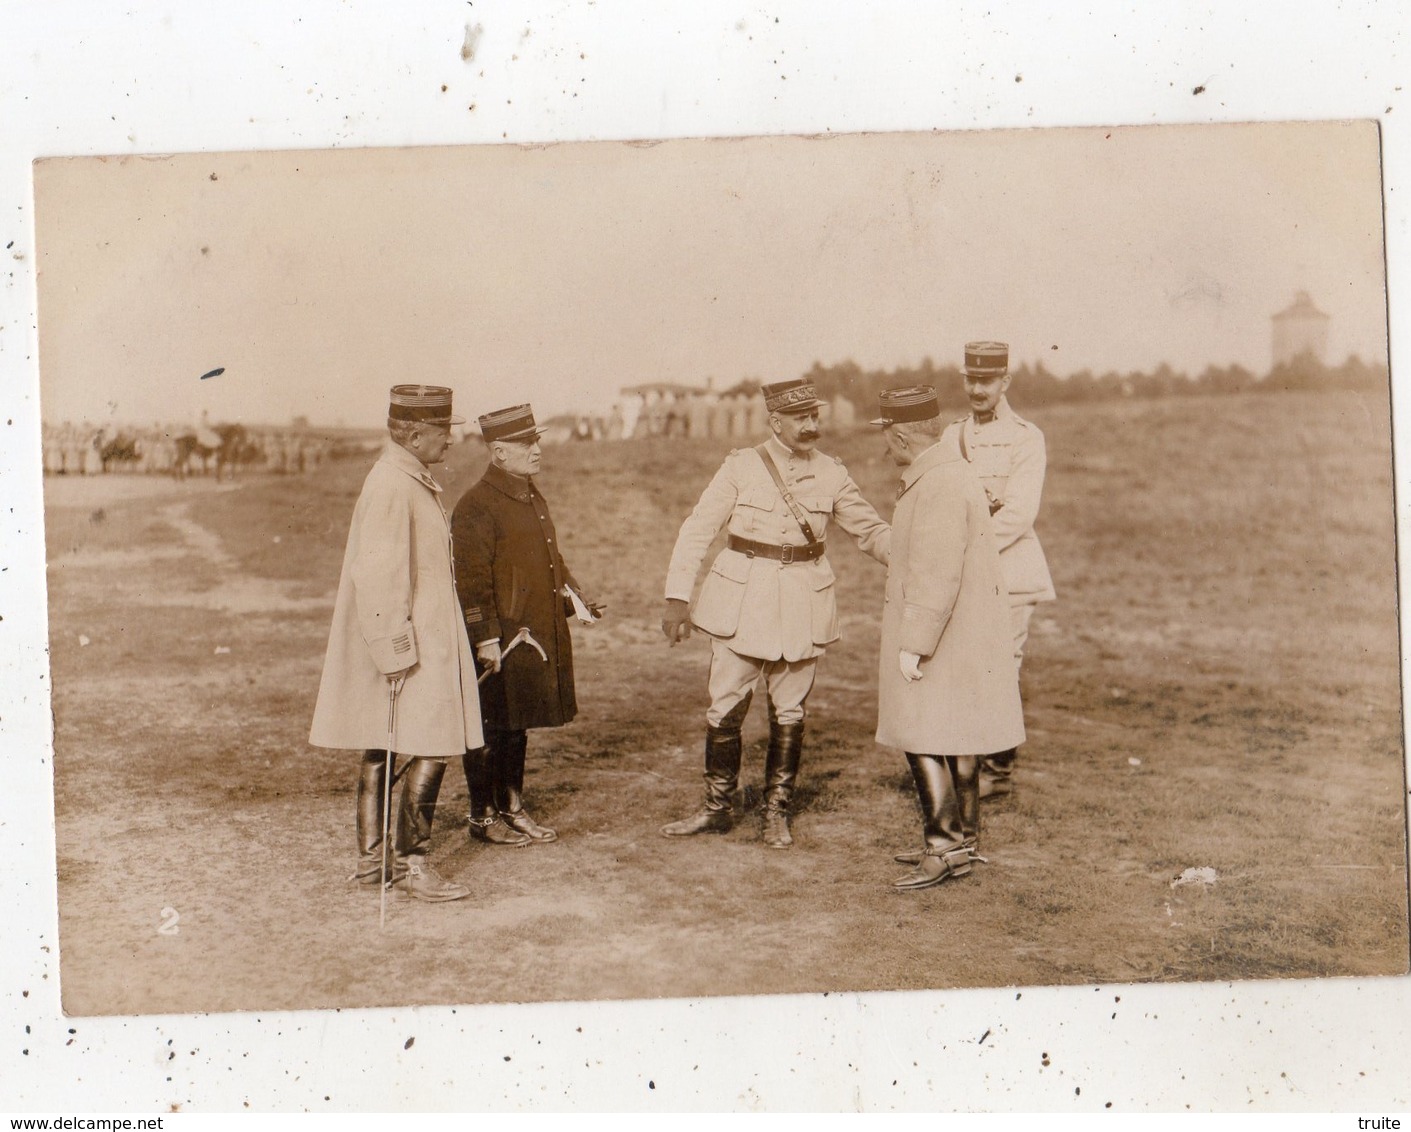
(560, 274)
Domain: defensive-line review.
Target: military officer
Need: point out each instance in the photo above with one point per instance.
(767, 603)
(515, 592)
(397, 632)
(947, 690)
(1007, 452)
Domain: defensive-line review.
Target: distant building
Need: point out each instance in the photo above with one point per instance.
(657, 408)
(669, 409)
(1301, 329)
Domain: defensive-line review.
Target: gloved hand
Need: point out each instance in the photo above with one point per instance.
(910, 664)
(488, 653)
(676, 621)
(595, 609)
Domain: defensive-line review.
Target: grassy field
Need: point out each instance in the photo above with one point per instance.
(1217, 686)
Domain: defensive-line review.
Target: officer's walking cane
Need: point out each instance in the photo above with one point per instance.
(394, 689)
(518, 639)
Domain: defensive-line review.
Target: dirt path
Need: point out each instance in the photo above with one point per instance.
(98, 491)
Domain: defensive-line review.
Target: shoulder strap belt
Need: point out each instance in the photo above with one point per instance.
(793, 504)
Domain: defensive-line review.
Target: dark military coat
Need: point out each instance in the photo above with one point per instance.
(510, 575)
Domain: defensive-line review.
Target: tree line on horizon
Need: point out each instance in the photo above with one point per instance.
(1036, 385)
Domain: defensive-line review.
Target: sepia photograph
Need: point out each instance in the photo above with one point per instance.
(754, 566)
(666, 557)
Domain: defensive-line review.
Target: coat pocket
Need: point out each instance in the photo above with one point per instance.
(754, 513)
(1023, 566)
(717, 610)
(824, 604)
(519, 594)
(819, 508)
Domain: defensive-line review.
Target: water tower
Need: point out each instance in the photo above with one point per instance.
(1298, 330)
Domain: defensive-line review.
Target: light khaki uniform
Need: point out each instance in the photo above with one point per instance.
(768, 617)
(1009, 457)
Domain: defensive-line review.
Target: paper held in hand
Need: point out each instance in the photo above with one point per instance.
(580, 611)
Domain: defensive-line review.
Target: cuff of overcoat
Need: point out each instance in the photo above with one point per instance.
(394, 653)
(920, 630)
(481, 625)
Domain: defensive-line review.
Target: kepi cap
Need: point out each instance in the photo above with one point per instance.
(423, 404)
(987, 359)
(910, 403)
(514, 423)
(794, 396)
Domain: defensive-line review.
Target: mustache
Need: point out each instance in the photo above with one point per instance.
(809, 435)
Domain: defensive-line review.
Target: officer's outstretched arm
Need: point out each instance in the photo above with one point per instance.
(860, 520)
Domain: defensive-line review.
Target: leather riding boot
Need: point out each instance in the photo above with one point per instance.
(485, 821)
(965, 771)
(781, 770)
(946, 853)
(722, 774)
(966, 776)
(997, 773)
(940, 806)
(507, 775)
(421, 783)
(935, 867)
(372, 783)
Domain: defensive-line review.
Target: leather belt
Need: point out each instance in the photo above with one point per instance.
(783, 554)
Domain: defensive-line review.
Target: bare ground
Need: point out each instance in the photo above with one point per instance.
(1216, 687)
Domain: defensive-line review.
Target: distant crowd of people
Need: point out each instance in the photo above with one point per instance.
(677, 412)
(86, 449)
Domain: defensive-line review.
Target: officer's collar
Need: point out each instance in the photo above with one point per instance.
(934, 454)
(507, 483)
(404, 461)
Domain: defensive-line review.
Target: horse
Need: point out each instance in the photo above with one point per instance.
(122, 449)
(228, 453)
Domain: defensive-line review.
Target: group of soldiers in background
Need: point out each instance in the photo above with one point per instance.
(179, 450)
(73, 449)
(665, 410)
(425, 596)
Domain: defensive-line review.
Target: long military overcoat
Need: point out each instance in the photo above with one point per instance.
(396, 608)
(946, 601)
(762, 607)
(510, 575)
